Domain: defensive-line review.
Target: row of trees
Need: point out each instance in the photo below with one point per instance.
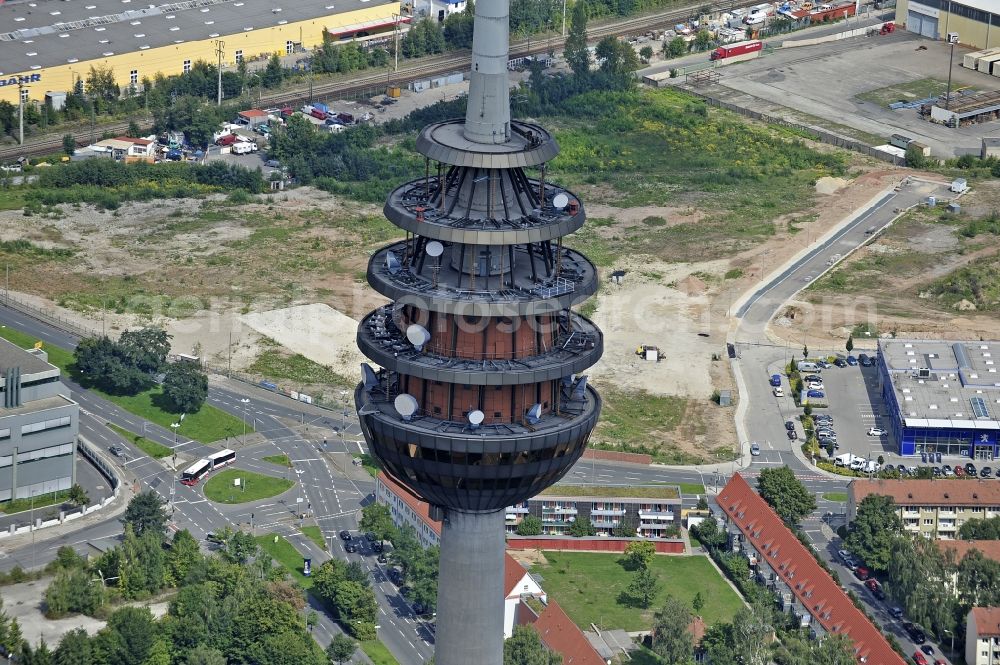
(418, 565)
(129, 366)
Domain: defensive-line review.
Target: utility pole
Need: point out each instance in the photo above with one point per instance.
(564, 19)
(219, 46)
(20, 110)
(6, 290)
(952, 40)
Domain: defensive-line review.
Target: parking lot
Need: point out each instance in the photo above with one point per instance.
(825, 79)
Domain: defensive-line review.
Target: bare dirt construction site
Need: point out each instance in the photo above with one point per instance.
(932, 274)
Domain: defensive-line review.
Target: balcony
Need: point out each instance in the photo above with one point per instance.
(560, 510)
(950, 512)
(605, 512)
(519, 510)
(658, 515)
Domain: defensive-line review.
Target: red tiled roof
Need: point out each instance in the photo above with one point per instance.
(416, 504)
(697, 630)
(253, 113)
(989, 548)
(987, 621)
(812, 586)
(563, 636)
(965, 492)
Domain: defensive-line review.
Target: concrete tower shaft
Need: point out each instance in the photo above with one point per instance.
(487, 118)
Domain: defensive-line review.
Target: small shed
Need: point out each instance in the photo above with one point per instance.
(253, 117)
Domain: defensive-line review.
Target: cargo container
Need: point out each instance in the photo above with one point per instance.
(737, 49)
(971, 60)
(228, 139)
(900, 141)
(322, 107)
(318, 114)
(985, 63)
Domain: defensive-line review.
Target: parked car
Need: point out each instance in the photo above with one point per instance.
(754, 449)
(792, 436)
(824, 364)
(919, 658)
(812, 377)
(844, 555)
(970, 469)
(946, 470)
(876, 431)
(117, 451)
(790, 424)
(350, 547)
(816, 394)
(927, 649)
(775, 379)
(865, 360)
(840, 362)
(272, 164)
(852, 361)
(896, 612)
(382, 558)
(862, 573)
(959, 471)
(815, 385)
(936, 470)
(985, 472)
(345, 535)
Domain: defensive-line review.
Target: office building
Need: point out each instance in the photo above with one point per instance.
(38, 426)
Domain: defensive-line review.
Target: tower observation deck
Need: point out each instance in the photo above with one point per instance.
(478, 401)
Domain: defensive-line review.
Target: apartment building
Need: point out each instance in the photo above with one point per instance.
(654, 511)
(38, 425)
(782, 563)
(934, 508)
(982, 636)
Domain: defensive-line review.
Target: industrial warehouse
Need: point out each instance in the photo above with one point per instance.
(50, 44)
(942, 397)
(977, 22)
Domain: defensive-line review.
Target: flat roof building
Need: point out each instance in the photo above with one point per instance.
(38, 426)
(975, 21)
(941, 396)
(51, 43)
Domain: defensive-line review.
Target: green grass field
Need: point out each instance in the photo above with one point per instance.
(208, 425)
(40, 501)
(285, 554)
(280, 460)
(314, 534)
(839, 497)
(151, 448)
(587, 586)
(253, 486)
(378, 653)
(692, 488)
(905, 92)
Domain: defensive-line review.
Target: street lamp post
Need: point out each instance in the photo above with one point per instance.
(343, 419)
(175, 427)
(952, 40)
(246, 404)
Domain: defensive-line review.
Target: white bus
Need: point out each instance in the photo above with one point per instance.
(196, 472)
(221, 458)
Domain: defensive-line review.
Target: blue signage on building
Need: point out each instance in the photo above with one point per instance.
(15, 80)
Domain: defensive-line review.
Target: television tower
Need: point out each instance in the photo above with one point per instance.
(479, 403)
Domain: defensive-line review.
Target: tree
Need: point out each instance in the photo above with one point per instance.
(133, 130)
(702, 40)
(204, 655)
(752, 633)
(145, 513)
(377, 518)
(145, 349)
(274, 74)
(529, 526)
(987, 529)
(78, 495)
(805, 352)
(73, 591)
(638, 554)
(850, 343)
(915, 157)
(159, 654)
(37, 656)
(524, 647)
(576, 53)
(874, 530)
(978, 582)
(646, 53)
(786, 494)
(69, 144)
(618, 61)
(697, 602)
(642, 589)
(709, 534)
(675, 48)
(74, 649)
(341, 649)
(183, 555)
(186, 386)
(702, 503)
(581, 527)
(672, 639)
(136, 629)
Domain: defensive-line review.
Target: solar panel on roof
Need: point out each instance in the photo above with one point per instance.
(979, 407)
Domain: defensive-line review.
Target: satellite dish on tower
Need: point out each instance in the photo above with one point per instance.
(417, 336)
(560, 201)
(406, 405)
(534, 414)
(476, 418)
(434, 248)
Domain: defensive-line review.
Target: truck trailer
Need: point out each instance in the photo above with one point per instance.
(971, 60)
(737, 49)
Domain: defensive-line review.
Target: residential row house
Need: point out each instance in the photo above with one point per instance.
(781, 562)
(982, 636)
(654, 511)
(934, 508)
(525, 603)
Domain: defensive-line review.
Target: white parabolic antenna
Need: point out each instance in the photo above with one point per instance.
(477, 417)
(417, 335)
(434, 248)
(560, 200)
(406, 405)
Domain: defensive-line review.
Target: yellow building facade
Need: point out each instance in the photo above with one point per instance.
(131, 67)
(977, 22)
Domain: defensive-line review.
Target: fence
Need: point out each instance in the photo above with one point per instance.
(817, 134)
(48, 317)
(589, 544)
(615, 456)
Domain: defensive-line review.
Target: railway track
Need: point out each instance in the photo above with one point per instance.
(371, 84)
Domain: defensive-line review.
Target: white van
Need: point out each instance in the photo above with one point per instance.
(807, 366)
(757, 15)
